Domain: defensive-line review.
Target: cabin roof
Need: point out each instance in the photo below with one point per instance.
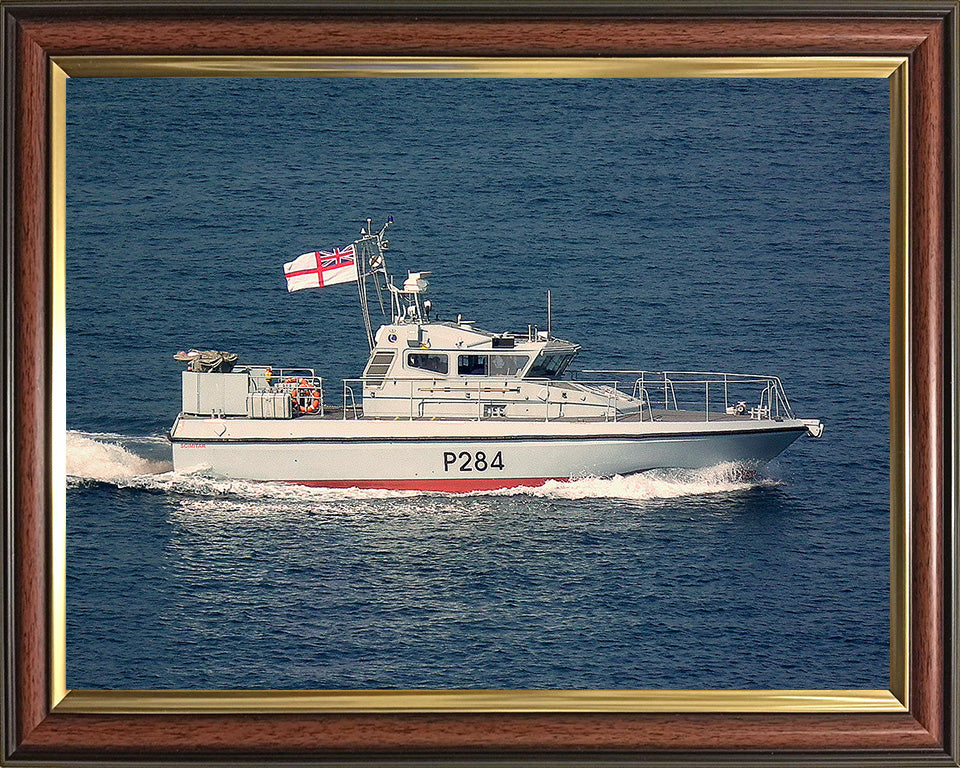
(465, 337)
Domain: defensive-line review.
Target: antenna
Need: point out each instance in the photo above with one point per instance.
(370, 248)
(549, 315)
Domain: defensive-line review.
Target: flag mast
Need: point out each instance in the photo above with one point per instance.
(370, 248)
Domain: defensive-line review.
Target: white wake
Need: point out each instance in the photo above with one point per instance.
(655, 484)
(114, 458)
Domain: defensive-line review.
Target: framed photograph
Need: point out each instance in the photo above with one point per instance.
(763, 190)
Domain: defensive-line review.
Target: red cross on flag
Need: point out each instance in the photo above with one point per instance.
(321, 268)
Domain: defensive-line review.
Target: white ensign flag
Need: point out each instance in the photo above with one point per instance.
(321, 268)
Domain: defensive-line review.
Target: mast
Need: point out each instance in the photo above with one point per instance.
(370, 262)
(549, 316)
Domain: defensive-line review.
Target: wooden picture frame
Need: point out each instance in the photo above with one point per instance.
(915, 722)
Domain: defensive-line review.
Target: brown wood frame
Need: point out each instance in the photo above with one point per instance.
(926, 32)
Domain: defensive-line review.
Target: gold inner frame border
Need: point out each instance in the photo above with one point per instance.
(892, 68)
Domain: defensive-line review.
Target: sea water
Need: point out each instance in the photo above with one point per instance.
(736, 225)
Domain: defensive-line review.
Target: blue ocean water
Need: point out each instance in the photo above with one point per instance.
(686, 224)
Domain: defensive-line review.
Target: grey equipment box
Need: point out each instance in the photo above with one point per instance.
(211, 394)
(269, 405)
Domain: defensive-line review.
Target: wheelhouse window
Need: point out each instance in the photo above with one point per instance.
(427, 361)
(549, 366)
(507, 365)
(472, 365)
(491, 365)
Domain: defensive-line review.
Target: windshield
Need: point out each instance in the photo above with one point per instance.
(549, 366)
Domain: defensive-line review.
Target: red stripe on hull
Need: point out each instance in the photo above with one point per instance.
(452, 485)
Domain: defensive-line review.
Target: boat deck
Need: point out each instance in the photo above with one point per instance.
(336, 414)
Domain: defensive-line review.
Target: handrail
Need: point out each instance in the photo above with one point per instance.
(284, 382)
(638, 372)
(771, 403)
(488, 383)
(485, 390)
(353, 401)
(772, 398)
(680, 390)
(276, 372)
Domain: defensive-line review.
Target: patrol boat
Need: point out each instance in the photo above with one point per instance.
(448, 406)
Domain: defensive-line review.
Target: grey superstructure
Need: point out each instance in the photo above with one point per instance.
(445, 405)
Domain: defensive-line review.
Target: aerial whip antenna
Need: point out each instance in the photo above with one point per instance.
(370, 249)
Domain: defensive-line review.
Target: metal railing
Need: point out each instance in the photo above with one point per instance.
(488, 398)
(353, 402)
(631, 393)
(266, 376)
(703, 389)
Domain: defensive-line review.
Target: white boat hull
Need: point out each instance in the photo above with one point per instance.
(463, 456)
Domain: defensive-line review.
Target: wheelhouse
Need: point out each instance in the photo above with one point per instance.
(544, 365)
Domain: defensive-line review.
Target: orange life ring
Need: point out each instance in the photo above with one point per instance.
(305, 396)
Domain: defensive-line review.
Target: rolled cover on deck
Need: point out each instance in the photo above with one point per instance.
(207, 361)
